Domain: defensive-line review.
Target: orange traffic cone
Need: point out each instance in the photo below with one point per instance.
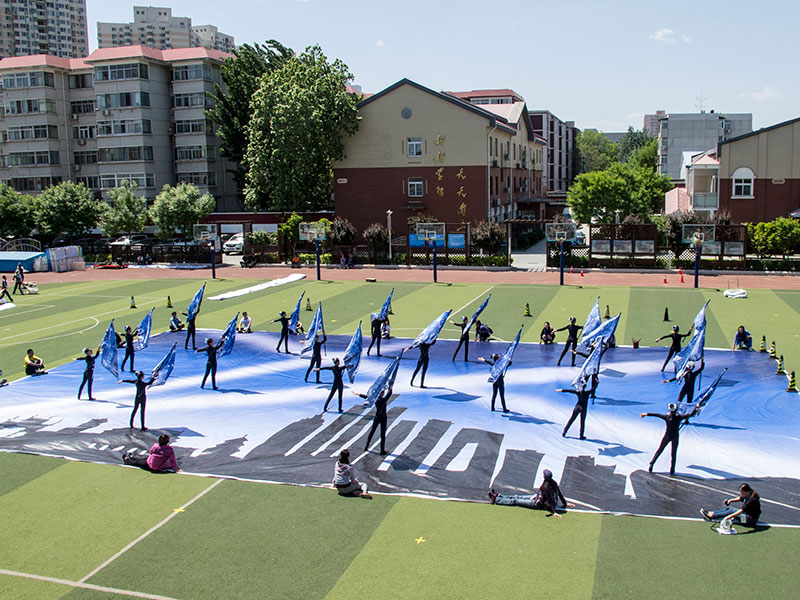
(665, 279)
(680, 271)
(681, 277)
(581, 272)
(571, 270)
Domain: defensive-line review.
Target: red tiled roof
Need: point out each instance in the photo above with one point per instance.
(172, 54)
(486, 94)
(192, 53)
(42, 60)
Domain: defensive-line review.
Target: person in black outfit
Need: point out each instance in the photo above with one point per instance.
(88, 373)
(338, 383)
(18, 278)
(689, 377)
(211, 361)
(464, 339)
(422, 362)
(380, 418)
(675, 346)
(545, 499)
(499, 384)
(672, 435)
(5, 293)
(751, 508)
(128, 348)
(316, 355)
(375, 331)
(548, 334)
(141, 396)
(581, 406)
(191, 328)
(572, 339)
(284, 321)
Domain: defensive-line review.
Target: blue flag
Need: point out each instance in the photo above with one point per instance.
(194, 305)
(143, 331)
(384, 381)
(108, 351)
(602, 333)
(593, 321)
(589, 368)
(477, 314)
(501, 366)
(387, 306)
(352, 356)
(693, 351)
(295, 318)
(702, 399)
(316, 327)
(228, 337)
(431, 332)
(164, 369)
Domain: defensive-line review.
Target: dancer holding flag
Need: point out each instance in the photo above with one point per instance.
(424, 341)
(143, 331)
(500, 365)
(88, 372)
(583, 390)
(673, 421)
(211, 361)
(129, 350)
(593, 321)
(591, 369)
(314, 340)
(338, 383)
(228, 337)
(465, 328)
(572, 339)
(140, 402)
(376, 327)
(689, 375)
(379, 394)
(191, 316)
(288, 325)
(675, 345)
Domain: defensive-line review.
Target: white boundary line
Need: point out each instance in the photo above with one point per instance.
(489, 289)
(87, 586)
(727, 493)
(148, 532)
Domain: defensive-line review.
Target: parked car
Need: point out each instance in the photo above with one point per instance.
(102, 245)
(234, 244)
(129, 240)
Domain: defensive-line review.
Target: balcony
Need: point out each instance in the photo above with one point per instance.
(705, 201)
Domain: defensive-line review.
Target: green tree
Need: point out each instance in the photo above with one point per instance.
(343, 232)
(645, 157)
(377, 237)
(127, 212)
(301, 112)
(632, 141)
(231, 111)
(616, 192)
(781, 236)
(180, 207)
(16, 212)
(596, 150)
(290, 232)
(67, 207)
(489, 237)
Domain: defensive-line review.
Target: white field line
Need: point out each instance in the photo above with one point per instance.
(727, 493)
(86, 586)
(148, 532)
(455, 312)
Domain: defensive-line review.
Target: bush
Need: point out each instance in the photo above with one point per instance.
(262, 238)
(342, 232)
(495, 260)
(377, 237)
(489, 237)
(311, 258)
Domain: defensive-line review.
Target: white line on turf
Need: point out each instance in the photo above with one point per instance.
(727, 492)
(489, 289)
(155, 527)
(86, 586)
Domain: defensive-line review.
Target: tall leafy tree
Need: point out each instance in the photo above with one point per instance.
(645, 157)
(127, 212)
(632, 141)
(67, 207)
(179, 208)
(16, 212)
(596, 150)
(231, 111)
(301, 112)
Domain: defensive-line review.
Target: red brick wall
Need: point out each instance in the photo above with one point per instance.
(771, 200)
(369, 193)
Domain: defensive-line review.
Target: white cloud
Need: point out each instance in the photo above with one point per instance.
(669, 36)
(686, 39)
(380, 44)
(765, 94)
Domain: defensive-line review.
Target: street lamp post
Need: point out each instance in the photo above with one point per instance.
(389, 227)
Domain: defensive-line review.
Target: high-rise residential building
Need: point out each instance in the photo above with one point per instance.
(155, 26)
(650, 122)
(680, 135)
(561, 165)
(56, 27)
(129, 113)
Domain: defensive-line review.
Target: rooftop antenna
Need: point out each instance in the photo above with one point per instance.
(701, 102)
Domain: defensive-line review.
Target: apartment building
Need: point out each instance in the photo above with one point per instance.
(154, 26)
(56, 27)
(695, 133)
(129, 113)
(418, 151)
(562, 158)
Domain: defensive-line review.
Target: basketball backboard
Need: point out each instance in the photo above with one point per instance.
(431, 232)
(560, 232)
(697, 233)
(311, 232)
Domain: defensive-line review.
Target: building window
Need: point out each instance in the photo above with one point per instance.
(34, 105)
(193, 99)
(194, 152)
(83, 132)
(80, 81)
(187, 72)
(123, 99)
(194, 126)
(33, 184)
(85, 158)
(414, 147)
(743, 183)
(124, 127)
(30, 159)
(119, 72)
(81, 107)
(126, 153)
(198, 178)
(142, 180)
(32, 132)
(90, 181)
(415, 187)
(26, 80)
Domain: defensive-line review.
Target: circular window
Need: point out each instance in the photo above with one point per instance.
(405, 112)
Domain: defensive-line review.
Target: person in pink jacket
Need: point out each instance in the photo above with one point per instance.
(344, 478)
(161, 458)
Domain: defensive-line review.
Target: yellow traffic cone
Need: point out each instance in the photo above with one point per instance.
(763, 344)
(527, 310)
(308, 304)
(792, 383)
(780, 370)
(607, 314)
(133, 302)
(169, 302)
(772, 353)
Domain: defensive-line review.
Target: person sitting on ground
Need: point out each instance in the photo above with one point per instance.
(751, 508)
(344, 478)
(244, 324)
(482, 332)
(3, 380)
(160, 460)
(545, 499)
(175, 322)
(742, 340)
(548, 334)
(295, 262)
(386, 330)
(342, 260)
(33, 364)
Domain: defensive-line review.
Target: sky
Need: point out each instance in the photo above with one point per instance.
(602, 64)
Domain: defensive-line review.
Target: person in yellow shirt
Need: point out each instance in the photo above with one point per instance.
(33, 364)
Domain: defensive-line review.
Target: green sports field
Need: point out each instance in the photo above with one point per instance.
(69, 528)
